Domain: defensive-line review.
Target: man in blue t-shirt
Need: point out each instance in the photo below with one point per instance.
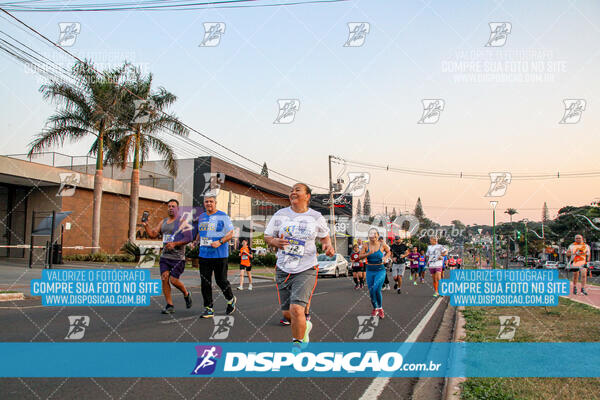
(215, 230)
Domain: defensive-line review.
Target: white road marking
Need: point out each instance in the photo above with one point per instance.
(316, 294)
(174, 321)
(376, 387)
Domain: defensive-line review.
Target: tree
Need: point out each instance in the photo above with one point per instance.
(142, 117)
(90, 107)
(265, 171)
(367, 205)
(358, 208)
(510, 212)
(419, 210)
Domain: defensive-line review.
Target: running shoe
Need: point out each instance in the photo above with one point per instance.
(307, 316)
(415, 283)
(356, 287)
(169, 309)
(422, 280)
(306, 339)
(188, 300)
(381, 314)
(362, 285)
(436, 294)
(399, 291)
(583, 291)
(410, 277)
(574, 289)
(284, 322)
(208, 313)
(230, 306)
(250, 287)
(240, 288)
(395, 286)
(374, 313)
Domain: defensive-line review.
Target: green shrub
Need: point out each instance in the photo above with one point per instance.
(131, 249)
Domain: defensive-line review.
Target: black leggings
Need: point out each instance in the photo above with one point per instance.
(219, 267)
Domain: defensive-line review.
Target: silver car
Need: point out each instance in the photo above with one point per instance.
(332, 266)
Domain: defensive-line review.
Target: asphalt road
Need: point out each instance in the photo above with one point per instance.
(334, 311)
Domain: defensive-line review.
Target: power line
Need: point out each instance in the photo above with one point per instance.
(190, 141)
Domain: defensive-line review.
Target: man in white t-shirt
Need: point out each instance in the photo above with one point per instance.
(435, 260)
(579, 255)
(293, 230)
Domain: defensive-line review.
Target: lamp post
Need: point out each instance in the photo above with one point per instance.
(493, 203)
(479, 247)
(525, 221)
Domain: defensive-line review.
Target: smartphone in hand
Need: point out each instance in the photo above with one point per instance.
(145, 215)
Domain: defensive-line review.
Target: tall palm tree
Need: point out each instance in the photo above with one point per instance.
(142, 118)
(88, 107)
(510, 212)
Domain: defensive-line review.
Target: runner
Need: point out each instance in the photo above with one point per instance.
(357, 267)
(422, 264)
(176, 233)
(459, 262)
(245, 256)
(579, 254)
(435, 260)
(293, 230)
(376, 252)
(399, 252)
(214, 232)
(413, 257)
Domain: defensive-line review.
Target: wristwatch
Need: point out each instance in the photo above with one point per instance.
(221, 241)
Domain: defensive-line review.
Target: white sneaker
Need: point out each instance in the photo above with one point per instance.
(240, 288)
(249, 287)
(306, 339)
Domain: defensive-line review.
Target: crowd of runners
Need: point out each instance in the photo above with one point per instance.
(294, 231)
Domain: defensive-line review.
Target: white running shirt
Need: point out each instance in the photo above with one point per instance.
(434, 255)
(301, 230)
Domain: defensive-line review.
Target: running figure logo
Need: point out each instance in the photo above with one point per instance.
(432, 109)
(212, 34)
(143, 111)
(212, 183)
(148, 255)
(358, 33)
(573, 110)
(68, 183)
(68, 33)
(223, 324)
(287, 111)
(77, 325)
(508, 327)
(499, 32)
(366, 327)
(357, 184)
(207, 359)
(499, 182)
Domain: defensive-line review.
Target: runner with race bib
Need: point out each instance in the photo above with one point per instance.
(579, 254)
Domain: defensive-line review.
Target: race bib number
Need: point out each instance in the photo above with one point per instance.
(245, 257)
(205, 241)
(295, 248)
(168, 238)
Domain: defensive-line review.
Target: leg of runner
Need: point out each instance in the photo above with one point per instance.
(575, 279)
(436, 281)
(206, 271)
(166, 289)
(220, 267)
(355, 278)
(361, 278)
(583, 280)
(248, 271)
(174, 274)
(241, 286)
(375, 281)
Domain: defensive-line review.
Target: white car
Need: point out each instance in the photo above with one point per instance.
(333, 266)
(550, 265)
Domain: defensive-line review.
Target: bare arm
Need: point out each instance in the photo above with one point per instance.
(152, 233)
(327, 247)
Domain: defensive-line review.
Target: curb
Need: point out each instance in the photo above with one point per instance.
(452, 389)
(11, 296)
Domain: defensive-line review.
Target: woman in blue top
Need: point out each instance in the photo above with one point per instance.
(376, 253)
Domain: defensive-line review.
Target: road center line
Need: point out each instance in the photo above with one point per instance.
(376, 387)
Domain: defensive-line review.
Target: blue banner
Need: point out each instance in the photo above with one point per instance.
(315, 360)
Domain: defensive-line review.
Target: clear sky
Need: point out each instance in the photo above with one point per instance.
(502, 104)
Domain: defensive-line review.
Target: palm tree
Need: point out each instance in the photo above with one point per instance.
(88, 107)
(142, 118)
(510, 212)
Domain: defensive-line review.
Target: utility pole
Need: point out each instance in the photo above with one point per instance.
(332, 207)
(494, 204)
(526, 254)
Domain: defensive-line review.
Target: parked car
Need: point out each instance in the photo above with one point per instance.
(549, 265)
(332, 266)
(561, 265)
(594, 267)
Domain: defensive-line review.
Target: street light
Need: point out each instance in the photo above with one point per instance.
(525, 221)
(494, 203)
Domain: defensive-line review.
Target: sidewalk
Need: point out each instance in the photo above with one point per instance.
(592, 299)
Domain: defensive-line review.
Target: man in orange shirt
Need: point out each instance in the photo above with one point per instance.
(579, 254)
(245, 256)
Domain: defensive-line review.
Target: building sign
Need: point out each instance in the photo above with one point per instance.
(322, 203)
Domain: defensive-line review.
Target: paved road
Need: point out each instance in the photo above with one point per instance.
(335, 308)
